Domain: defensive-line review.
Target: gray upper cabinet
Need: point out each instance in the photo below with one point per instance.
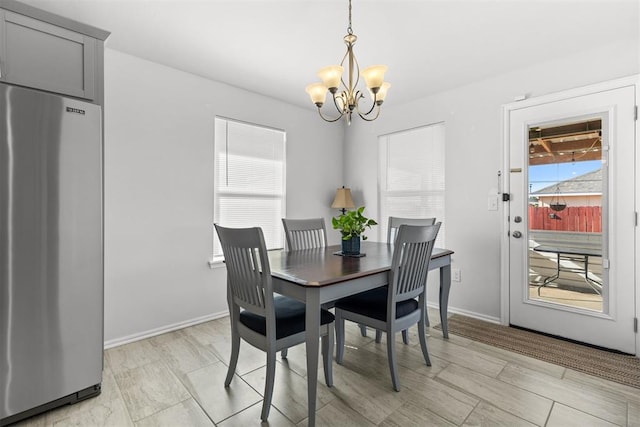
(41, 55)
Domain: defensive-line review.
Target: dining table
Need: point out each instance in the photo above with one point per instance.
(322, 275)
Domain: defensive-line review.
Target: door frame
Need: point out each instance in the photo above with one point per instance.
(505, 181)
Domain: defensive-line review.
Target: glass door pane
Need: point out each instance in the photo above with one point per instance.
(565, 214)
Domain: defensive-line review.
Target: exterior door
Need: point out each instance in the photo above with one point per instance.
(571, 215)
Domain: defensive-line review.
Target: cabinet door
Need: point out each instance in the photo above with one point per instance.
(40, 55)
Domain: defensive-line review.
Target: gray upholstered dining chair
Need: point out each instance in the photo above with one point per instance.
(394, 308)
(305, 233)
(270, 323)
(392, 230)
(308, 234)
(395, 222)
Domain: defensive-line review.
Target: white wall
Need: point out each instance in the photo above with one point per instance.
(472, 115)
(158, 159)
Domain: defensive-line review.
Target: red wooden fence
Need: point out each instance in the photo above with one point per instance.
(574, 218)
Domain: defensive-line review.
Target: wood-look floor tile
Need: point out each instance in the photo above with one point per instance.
(205, 332)
(371, 395)
(519, 359)
(216, 337)
(251, 417)
(167, 337)
(296, 360)
(439, 398)
(109, 393)
(290, 391)
(156, 375)
(206, 385)
(633, 414)
(150, 389)
(131, 356)
(410, 357)
(336, 413)
(623, 392)
(35, 421)
(186, 413)
(183, 355)
(564, 416)
(598, 403)
(412, 414)
(488, 415)
(517, 401)
(464, 356)
(113, 413)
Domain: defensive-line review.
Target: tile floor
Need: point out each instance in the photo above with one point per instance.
(176, 379)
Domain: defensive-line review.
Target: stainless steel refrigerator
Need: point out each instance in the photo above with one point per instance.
(51, 251)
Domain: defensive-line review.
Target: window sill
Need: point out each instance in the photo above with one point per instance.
(216, 263)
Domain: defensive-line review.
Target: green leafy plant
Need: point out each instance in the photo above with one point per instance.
(352, 224)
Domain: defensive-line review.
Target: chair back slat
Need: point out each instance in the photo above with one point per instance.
(305, 233)
(411, 257)
(395, 222)
(248, 271)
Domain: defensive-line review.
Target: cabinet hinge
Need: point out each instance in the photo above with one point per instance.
(636, 215)
(636, 112)
(635, 324)
(605, 263)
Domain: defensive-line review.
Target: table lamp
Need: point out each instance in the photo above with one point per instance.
(343, 200)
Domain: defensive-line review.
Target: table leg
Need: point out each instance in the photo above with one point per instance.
(551, 278)
(445, 286)
(312, 333)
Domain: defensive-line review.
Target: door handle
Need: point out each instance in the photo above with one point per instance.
(516, 234)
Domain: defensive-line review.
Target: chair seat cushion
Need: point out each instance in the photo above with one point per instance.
(373, 304)
(290, 318)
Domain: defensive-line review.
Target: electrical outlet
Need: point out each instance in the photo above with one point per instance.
(455, 274)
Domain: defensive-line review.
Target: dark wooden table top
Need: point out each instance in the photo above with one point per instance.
(321, 267)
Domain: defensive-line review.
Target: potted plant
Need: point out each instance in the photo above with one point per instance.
(352, 225)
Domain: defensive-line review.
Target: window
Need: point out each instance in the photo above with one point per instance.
(411, 174)
(249, 180)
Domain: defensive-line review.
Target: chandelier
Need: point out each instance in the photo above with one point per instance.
(348, 99)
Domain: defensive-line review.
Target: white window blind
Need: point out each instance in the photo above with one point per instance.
(411, 174)
(249, 182)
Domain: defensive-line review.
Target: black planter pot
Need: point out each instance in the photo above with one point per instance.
(351, 246)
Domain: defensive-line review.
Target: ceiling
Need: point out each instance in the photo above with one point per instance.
(275, 47)
(568, 142)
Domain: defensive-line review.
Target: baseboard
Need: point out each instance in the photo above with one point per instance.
(180, 325)
(163, 330)
(468, 313)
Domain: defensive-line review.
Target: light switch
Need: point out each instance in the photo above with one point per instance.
(492, 203)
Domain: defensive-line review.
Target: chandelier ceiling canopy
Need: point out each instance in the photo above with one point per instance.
(347, 100)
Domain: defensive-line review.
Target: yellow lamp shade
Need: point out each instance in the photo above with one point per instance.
(381, 94)
(331, 75)
(317, 92)
(374, 75)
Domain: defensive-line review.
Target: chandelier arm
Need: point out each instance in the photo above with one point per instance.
(342, 95)
(364, 117)
(330, 120)
(360, 96)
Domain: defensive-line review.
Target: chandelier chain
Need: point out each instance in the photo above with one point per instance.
(349, 29)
